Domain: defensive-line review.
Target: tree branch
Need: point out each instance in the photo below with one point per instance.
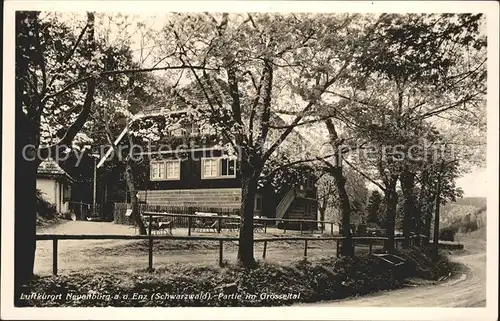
(317, 158)
(76, 126)
(306, 109)
(365, 176)
(442, 108)
(266, 102)
(113, 72)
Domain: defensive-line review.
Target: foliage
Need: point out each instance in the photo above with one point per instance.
(374, 207)
(356, 190)
(322, 278)
(448, 233)
(44, 208)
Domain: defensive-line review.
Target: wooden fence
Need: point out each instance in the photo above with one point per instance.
(183, 217)
(55, 238)
(187, 220)
(120, 213)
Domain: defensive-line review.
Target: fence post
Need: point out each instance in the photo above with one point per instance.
(370, 248)
(301, 227)
(331, 231)
(54, 256)
(219, 224)
(284, 226)
(264, 251)
(338, 248)
(150, 223)
(305, 248)
(150, 254)
(265, 226)
(189, 225)
(220, 252)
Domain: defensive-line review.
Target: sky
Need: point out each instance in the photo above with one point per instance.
(475, 183)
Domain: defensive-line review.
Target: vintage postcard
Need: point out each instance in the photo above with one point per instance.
(290, 159)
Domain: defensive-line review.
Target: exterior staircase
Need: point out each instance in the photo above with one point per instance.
(285, 203)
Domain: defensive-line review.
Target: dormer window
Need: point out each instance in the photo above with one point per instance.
(307, 182)
(192, 129)
(177, 131)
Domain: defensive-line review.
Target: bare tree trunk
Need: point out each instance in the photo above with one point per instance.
(129, 175)
(346, 248)
(249, 181)
(427, 222)
(421, 207)
(345, 208)
(136, 215)
(407, 180)
(391, 201)
(322, 210)
(24, 216)
(25, 169)
(437, 208)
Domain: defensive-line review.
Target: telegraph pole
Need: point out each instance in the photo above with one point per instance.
(436, 215)
(94, 187)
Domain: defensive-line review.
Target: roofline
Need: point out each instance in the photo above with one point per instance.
(141, 115)
(182, 150)
(52, 175)
(138, 116)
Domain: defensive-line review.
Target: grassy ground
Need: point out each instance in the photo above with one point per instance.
(113, 272)
(269, 284)
(466, 287)
(130, 255)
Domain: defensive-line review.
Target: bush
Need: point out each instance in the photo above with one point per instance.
(448, 233)
(419, 263)
(323, 278)
(469, 226)
(44, 208)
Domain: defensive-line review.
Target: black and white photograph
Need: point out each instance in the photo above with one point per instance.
(287, 154)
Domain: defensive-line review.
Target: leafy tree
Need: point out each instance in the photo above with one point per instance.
(325, 195)
(41, 91)
(328, 196)
(59, 65)
(374, 206)
(417, 69)
(259, 62)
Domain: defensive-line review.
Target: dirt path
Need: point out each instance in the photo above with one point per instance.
(467, 289)
(131, 255)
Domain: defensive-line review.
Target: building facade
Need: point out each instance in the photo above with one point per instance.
(55, 185)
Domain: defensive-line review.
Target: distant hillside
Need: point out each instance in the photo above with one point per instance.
(464, 209)
(478, 202)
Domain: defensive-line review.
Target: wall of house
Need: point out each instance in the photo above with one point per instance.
(48, 188)
(53, 192)
(208, 197)
(190, 175)
(269, 203)
(297, 210)
(63, 206)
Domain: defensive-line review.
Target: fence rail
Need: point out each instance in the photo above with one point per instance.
(55, 238)
(180, 216)
(187, 221)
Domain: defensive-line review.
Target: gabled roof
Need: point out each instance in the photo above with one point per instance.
(50, 168)
(156, 112)
(141, 115)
